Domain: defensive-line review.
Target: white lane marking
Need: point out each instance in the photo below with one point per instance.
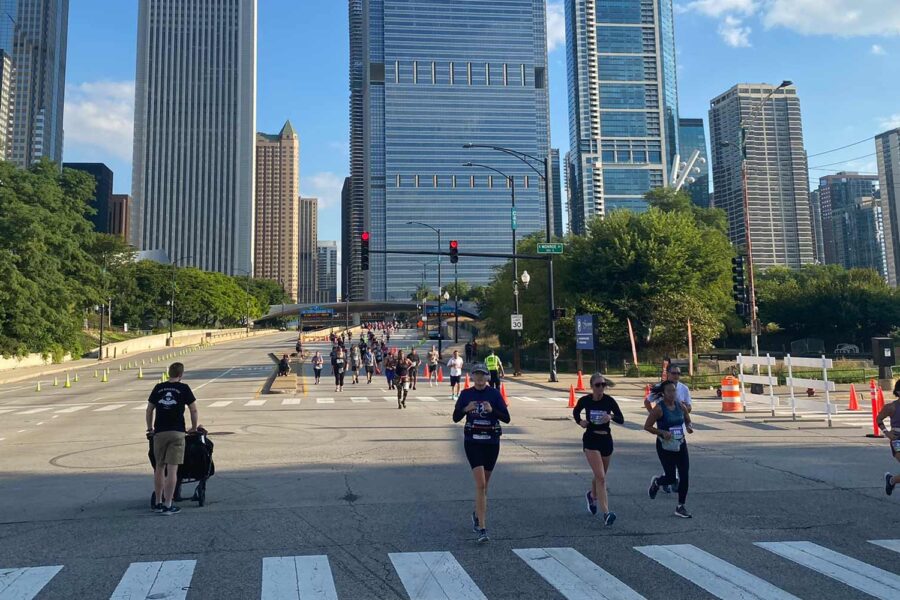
(855, 573)
(33, 411)
(574, 576)
(72, 409)
(214, 379)
(297, 578)
(22, 431)
(390, 398)
(169, 579)
(324, 400)
(359, 399)
(109, 407)
(26, 583)
(1, 439)
(716, 576)
(427, 399)
(559, 399)
(889, 544)
(141, 407)
(525, 399)
(434, 576)
(255, 403)
(220, 404)
(6, 410)
(41, 423)
(291, 401)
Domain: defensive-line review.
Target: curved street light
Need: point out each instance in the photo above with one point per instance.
(440, 332)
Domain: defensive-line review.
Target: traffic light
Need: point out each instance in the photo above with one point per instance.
(739, 287)
(454, 251)
(364, 250)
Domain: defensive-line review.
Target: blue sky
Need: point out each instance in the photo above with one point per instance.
(842, 55)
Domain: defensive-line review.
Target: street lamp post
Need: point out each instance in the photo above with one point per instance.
(744, 130)
(456, 304)
(172, 316)
(545, 177)
(517, 334)
(438, 232)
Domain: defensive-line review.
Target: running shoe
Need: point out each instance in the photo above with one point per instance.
(609, 518)
(475, 527)
(654, 488)
(482, 537)
(172, 510)
(888, 486)
(681, 511)
(666, 488)
(591, 503)
(404, 403)
(159, 508)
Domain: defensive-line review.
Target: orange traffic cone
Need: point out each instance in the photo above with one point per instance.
(427, 372)
(440, 375)
(466, 386)
(580, 386)
(854, 403)
(571, 396)
(880, 399)
(503, 393)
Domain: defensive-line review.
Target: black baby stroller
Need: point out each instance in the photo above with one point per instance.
(198, 466)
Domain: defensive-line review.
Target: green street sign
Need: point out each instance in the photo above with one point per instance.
(550, 248)
(514, 222)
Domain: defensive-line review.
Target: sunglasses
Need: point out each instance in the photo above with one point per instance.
(600, 384)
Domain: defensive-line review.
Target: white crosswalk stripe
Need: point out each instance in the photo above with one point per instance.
(220, 404)
(255, 403)
(25, 584)
(525, 399)
(6, 410)
(358, 399)
(889, 544)
(390, 398)
(324, 400)
(426, 399)
(574, 576)
(34, 411)
(290, 401)
(140, 407)
(719, 578)
(434, 576)
(857, 574)
(72, 409)
(109, 407)
(297, 578)
(169, 579)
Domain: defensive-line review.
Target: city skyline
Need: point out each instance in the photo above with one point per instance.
(101, 72)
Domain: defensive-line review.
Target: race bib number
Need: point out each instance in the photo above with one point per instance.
(677, 432)
(895, 446)
(481, 436)
(596, 416)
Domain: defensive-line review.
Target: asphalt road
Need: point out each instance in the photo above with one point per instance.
(321, 494)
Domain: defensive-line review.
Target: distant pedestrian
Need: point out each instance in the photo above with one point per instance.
(284, 366)
(339, 366)
(355, 360)
(455, 365)
(495, 366)
(468, 349)
(432, 366)
(317, 362)
(369, 363)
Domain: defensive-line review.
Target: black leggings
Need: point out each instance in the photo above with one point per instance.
(339, 379)
(670, 462)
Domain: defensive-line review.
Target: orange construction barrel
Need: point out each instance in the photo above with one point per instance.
(731, 395)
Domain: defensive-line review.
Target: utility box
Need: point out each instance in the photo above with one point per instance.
(883, 355)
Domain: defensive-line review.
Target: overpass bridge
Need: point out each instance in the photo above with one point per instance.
(369, 307)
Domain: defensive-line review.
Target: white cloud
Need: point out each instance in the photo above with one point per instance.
(733, 31)
(556, 25)
(891, 122)
(717, 8)
(841, 18)
(326, 186)
(100, 115)
(878, 50)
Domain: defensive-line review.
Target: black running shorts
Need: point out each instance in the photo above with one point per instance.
(482, 455)
(595, 441)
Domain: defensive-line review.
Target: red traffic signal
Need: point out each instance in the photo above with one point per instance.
(365, 236)
(364, 251)
(454, 251)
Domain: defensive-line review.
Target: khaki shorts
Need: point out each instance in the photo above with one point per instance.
(168, 447)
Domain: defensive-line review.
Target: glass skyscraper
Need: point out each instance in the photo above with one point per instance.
(427, 77)
(623, 103)
(692, 136)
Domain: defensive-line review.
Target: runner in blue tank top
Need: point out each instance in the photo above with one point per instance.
(668, 422)
(891, 410)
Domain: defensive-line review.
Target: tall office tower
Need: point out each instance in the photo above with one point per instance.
(7, 99)
(39, 40)
(623, 102)
(327, 266)
(103, 192)
(309, 248)
(558, 222)
(815, 209)
(355, 215)
(119, 215)
(778, 190)
(839, 202)
(195, 132)
(887, 149)
(277, 218)
(346, 233)
(425, 91)
(692, 136)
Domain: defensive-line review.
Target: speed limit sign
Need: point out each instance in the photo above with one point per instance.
(517, 322)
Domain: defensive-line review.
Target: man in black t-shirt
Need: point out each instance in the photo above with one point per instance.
(168, 400)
